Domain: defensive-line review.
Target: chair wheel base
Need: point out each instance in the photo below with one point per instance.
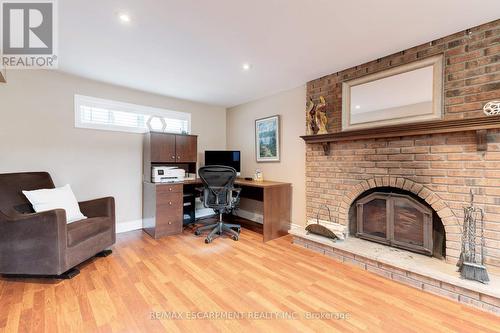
(235, 238)
(197, 233)
(104, 253)
(208, 240)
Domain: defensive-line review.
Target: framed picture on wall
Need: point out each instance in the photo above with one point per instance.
(267, 139)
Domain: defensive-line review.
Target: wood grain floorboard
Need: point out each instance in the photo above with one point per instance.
(181, 275)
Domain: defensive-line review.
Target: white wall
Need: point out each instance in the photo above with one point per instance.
(241, 136)
(37, 133)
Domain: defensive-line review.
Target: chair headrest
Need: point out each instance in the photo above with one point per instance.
(217, 175)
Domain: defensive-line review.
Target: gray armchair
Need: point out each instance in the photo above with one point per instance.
(43, 243)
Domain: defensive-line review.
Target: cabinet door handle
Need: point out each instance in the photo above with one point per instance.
(170, 189)
(170, 203)
(169, 222)
(178, 157)
(173, 157)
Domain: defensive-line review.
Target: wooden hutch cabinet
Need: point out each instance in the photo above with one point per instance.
(163, 203)
(172, 148)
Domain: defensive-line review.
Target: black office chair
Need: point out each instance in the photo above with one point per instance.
(219, 193)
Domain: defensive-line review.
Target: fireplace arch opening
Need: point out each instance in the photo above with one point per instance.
(398, 218)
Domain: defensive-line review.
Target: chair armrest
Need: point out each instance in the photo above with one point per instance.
(33, 243)
(237, 190)
(103, 207)
(201, 191)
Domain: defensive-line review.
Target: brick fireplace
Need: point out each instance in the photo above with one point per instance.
(439, 169)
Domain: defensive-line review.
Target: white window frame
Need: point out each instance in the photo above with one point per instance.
(81, 100)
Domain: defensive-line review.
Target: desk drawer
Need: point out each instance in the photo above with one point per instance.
(168, 220)
(169, 208)
(168, 225)
(169, 200)
(168, 188)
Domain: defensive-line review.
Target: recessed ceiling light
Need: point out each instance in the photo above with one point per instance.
(246, 66)
(125, 18)
(358, 106)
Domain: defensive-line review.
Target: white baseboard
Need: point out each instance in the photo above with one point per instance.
(204, 212)
(294, 226)
(252, 216)
(128, 226)
(259, 218)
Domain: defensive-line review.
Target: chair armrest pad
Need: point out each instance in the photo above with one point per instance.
(236, 198)
(103, 207)
(47, 216)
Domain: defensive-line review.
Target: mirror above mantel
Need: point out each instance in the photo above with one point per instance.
(406, 94)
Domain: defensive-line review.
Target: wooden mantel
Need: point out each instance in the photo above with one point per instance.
(480, 125)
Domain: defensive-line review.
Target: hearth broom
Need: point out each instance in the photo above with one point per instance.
(470, 267)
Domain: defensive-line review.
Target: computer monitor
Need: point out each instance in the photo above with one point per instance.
(230, 158)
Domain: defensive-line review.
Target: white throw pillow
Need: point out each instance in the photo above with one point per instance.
(60, 197)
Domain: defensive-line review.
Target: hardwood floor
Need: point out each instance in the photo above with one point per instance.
(144, 278)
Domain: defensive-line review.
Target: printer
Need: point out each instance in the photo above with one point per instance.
(165, 174)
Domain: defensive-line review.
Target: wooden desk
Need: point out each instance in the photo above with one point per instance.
(277, 200)
(275, 196)
(244, 182)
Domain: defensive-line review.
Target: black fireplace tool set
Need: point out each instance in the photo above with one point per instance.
(471, 263)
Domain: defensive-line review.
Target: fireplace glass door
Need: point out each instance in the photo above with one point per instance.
(374, 219)
(397, 220)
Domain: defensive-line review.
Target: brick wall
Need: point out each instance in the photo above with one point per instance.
(440, 168)
(471, 65)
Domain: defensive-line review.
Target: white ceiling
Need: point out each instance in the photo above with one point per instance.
(194, 49)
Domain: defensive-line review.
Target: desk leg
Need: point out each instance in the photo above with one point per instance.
(277, 207)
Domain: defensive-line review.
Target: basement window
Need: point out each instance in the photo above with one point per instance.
(109, 115)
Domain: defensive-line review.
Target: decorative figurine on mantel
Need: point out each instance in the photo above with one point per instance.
(312, 128)
(321, 118)
(316, 118)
